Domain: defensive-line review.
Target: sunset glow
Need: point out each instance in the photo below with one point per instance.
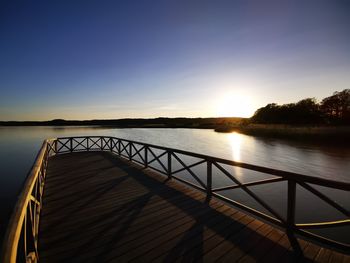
(234, 105)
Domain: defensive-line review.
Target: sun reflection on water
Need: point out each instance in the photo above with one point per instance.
(235, 140)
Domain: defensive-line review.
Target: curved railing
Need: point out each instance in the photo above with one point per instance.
(172, 162)
(21, 238)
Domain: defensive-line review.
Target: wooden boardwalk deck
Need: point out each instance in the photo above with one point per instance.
(99, 208)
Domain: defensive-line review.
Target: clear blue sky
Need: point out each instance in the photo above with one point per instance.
(115, 59)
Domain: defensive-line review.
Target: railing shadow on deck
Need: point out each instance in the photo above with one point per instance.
(113, 223)
(194, 235)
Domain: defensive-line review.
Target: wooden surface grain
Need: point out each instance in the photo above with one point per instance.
(100, 208)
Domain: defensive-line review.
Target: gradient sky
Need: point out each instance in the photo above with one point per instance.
(116, 59)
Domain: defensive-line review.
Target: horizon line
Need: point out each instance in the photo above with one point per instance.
(126, 118)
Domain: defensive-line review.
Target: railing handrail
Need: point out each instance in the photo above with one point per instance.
(14, 229)
(341, 185)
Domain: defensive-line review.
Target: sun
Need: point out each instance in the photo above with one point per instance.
(234, 105)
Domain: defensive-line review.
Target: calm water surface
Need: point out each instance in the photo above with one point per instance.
(19, 146)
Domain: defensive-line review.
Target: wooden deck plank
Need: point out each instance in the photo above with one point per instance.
(311, 251)
(143, 221)
(336, 257)
(192, 236)
(222, 245)
(264, 247)
(172, 236)
(247, 239)
(154, 209)
(136, 227)
(194, 244)
(217, 245)
(99, 208)
(324, 255)
(278, 250)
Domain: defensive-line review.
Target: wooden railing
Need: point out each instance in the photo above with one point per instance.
(21, 238)
(149, 155)
(172, 162)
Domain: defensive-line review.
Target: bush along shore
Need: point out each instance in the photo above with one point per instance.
(329, 134)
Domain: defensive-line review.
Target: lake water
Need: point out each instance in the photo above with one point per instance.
(19, 146)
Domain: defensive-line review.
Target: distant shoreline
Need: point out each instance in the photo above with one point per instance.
(318, 134)
(326, 134)
(204, 123)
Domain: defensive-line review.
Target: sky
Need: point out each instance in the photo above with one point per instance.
(186, 58)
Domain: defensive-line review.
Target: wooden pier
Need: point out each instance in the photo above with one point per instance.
(98, 206)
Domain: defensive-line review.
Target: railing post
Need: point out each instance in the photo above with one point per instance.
(169, 164)
(55, 146)
(291, 205)
(101, 143)
(87, 144)
(209, 178)
(118, 146)
(146, 156)
(290, 227)
(110, 144)
(71, 144)
(130, 151)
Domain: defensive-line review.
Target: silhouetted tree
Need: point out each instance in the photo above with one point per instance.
(306, 111)
(267, 114)
(337, 107)
(334, 109)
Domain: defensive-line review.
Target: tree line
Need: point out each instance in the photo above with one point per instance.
(332, 110)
